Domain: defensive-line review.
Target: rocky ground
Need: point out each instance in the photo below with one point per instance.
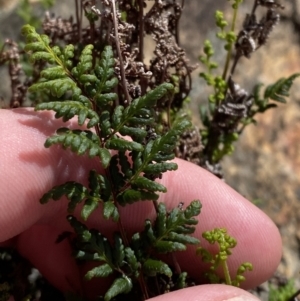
(265, 167)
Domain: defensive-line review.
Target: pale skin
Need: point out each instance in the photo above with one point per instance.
(28, 170)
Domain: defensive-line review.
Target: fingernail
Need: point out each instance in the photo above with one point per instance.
(242, 298)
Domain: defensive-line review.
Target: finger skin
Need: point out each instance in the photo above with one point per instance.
(28, 170)
(38, 244)
(208, 292)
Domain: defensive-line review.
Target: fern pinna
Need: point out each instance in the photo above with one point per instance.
(86, 90)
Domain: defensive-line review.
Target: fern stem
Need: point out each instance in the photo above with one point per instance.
(97, 127)
(236, 59)
(122, 69)
(155, 204)
(229, 52)
(122, 230)
(254, 7)
(141, 30)
(143, 286)
(176, 264)
(226, 272)
(169, 111)
(120, 224)
(78, 19)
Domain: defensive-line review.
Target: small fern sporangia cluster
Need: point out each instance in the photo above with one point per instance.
(86, 91)
(225, 243)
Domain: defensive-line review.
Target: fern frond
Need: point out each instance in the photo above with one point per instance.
(152, 267)
(169, 246)
(144, 183)
(121, 144)
(113, 258)
(68, 109)
(39, 46)
(280, 89)
(96, 81)
(181, 281)
(130, 196)
(76, 193)
(137, 134)
(103, 100)
(118, 250)
(122, 285)
(105, 70)
(56, 87)
(132, 261)
(169, 227)
(85, 62)
(139, 111)
(82, 231)
(170, 231)
(161, 149)
(53, 73)
(157, 168)
(149, 100)
(80, 142)
(128, 176)
(110, 211)
(100, 82)
(99, 271)
(149, 160)
(91, 238)
(278, 92)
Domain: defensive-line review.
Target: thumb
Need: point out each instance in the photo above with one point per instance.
(208, 292)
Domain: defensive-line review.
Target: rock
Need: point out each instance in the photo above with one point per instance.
(265, 166)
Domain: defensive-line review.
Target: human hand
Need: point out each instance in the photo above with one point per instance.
(28, 170)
